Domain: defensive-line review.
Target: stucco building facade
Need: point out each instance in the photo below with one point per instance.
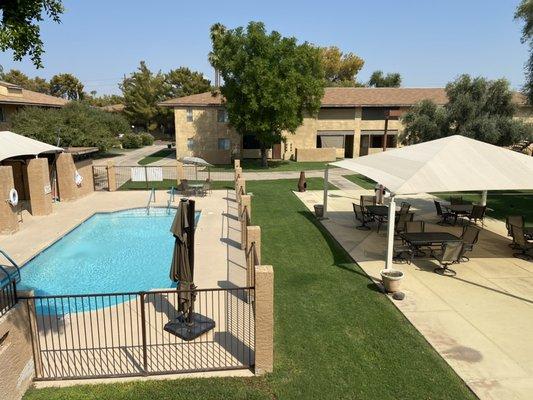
(350, 120)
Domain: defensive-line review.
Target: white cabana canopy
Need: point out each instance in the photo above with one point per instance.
(14, 145)
(451, 164)
(454, 163)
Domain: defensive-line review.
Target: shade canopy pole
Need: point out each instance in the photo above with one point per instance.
(326, 184)
(484, 198)
(390, 232)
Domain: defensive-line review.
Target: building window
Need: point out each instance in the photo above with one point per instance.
(190, 144)
(336, 113)
(223, 144)
(222, 116)
(376, 113)
(2, 115)
(189, 114)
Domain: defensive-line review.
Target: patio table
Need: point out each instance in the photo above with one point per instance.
(195, 187)
(379, 211)
(459, 209)
(419, 239)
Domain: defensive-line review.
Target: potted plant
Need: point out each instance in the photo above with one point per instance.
(391, 279)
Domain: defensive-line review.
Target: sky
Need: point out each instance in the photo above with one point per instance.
(428, 42)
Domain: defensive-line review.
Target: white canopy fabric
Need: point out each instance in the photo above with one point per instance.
(454, 163)
(14, 145)
(200, 162)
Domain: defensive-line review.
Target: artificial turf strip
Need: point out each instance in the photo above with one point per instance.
(252, 165)
(336, 337)
(158, 155)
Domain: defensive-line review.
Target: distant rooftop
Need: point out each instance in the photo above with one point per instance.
(14, 94)
(344, 97)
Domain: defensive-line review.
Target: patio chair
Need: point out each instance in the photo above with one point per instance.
(206, 188)
(367, 201)
(450, 253)
(362, 217)
(184, 187)
(415, 226)
(402, 219)
(469, 237)
(403, 253)
(516, 220)
(444, 215)
(477, 214)
(404, 208)
(522, 244)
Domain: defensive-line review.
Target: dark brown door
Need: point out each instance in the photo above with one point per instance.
(276, 151)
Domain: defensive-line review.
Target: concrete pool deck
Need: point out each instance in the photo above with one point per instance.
(480, 322)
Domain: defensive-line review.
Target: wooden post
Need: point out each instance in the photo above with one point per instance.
(264, 319)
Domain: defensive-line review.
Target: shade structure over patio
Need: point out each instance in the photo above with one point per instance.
(454, 163)
(14, 145)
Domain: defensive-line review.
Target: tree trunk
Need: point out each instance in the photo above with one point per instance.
(264, 162)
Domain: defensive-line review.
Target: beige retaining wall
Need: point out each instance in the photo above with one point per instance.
(66, 170)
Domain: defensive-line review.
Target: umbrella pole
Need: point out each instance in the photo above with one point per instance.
(326, 184)
(484, 198)
(390, 232)
(190, 246)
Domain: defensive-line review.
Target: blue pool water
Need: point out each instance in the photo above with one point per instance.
(124, 251)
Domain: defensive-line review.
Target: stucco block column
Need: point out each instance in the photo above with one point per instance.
(246, 201)
(8, 217)
(237, 163)
(264, 319)
(240, 188)
(39, 187)
(66, 170)
(238, 173)
(111, 177)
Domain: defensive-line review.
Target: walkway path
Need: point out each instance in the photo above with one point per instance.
(131, 157)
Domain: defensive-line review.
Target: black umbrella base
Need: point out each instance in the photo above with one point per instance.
(189, 331)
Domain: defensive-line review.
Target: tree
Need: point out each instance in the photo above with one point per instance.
(378, 79)
(270, 81)
(525, 12)
(104, 100)
(19, 29)
(17, 77)
(77, 124)
(66, 86)
(340, 69)
(184, 82)
(142, 91)
(476, 108)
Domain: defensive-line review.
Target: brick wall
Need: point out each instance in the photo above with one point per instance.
(8, 217)
(39, 187)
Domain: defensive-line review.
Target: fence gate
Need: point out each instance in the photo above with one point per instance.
(100, 177)
(116, 335)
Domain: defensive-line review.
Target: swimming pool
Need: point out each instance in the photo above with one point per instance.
(124, 251)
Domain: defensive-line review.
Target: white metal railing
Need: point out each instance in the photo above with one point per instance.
(150, 199)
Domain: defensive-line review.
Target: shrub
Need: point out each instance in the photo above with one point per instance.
(147, 139)
(76, 124)
(131, 141)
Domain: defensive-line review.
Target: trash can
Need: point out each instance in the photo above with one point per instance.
(319, 210)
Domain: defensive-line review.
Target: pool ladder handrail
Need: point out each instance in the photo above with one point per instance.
(170, 199)
(150, 199)
(14, 264)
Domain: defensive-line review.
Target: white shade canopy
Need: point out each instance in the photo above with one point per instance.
(451, 164)
(14, 145)
(200, 162)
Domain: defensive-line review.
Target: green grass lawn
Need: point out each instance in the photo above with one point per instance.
(169, 183)
(274, 166)
(502, 203)
(336, 337)
(363, 181)
(158, 155)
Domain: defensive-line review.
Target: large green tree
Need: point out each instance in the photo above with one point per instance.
(524, 12)
(17, 77)
(478, 108)
(270, 81)
(19, 29)
(184, 82)
(66, 86)
(77, 124)
(340, 69)
(142, 91)
(379, 79)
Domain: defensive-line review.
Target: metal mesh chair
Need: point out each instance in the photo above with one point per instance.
(415, 226)
(522, 244)
(367, 201)
(362, 217)
(402, 219)
(443, 215)
(450, 253)
(469, 237)
(477, 214)
(404, 209)
(516, 220)
(456, 200)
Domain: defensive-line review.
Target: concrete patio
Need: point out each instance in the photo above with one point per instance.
(480, 321)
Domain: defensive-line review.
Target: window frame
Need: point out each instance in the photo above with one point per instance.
(3, 115)
(190, 144)
(224, 119)
(189, 114)
(224, 140)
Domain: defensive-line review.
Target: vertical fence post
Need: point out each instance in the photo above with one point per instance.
(146, 176)
(264, 319)
(143, 333)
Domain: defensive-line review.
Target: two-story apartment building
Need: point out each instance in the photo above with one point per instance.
(13, 97)
(350, 120)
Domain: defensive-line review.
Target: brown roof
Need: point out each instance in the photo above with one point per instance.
(345, 97)
(29, 97)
